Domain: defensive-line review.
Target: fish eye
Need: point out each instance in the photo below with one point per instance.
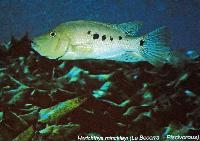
(52, 34)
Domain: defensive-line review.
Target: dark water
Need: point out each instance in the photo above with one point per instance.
(35, 17)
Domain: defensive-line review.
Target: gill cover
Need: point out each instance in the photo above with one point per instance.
(61, 48)
(53, 44)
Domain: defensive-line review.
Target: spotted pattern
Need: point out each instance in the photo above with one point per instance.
(141, 42)
(103, 37)
(89, 32)
(95, 36)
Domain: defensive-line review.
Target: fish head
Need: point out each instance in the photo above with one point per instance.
(52, 44)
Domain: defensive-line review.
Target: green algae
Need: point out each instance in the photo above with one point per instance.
(25, 135)
(59, 132)
(54, 113)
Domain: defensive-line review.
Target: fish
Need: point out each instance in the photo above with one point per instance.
(82, 39)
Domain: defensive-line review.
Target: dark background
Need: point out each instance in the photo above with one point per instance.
(37, 16)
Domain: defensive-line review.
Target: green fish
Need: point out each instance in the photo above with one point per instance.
(95, 40)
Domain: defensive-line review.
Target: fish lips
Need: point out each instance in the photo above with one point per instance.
(34, 46)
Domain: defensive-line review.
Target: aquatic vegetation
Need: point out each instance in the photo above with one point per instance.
(59, 132)
(42, 99)
(25, 135)
(54, 113)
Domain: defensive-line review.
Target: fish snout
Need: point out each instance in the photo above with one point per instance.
(34, 45)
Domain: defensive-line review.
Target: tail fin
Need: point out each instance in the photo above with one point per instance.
(154, 47)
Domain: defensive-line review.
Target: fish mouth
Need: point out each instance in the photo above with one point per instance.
(34, 45)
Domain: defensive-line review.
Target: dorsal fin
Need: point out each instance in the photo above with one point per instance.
(130, 28)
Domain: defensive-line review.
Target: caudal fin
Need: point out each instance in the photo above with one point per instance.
(154, 47)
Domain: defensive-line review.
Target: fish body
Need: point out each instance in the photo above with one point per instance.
(95, 40)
